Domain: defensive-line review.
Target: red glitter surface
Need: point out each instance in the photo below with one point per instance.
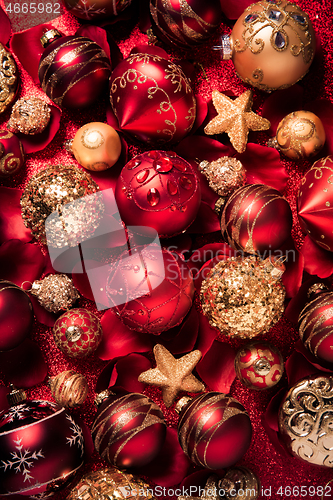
(281, 477)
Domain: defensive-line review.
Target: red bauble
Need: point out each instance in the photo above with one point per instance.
(158, 189)
(77, 333)
(16, 315)
(41, 446)
(152, 99)
(129, 430)
(11, 154)
(214, 430)
(186, 22)
(315, 202)
(91, 10)
(151, 290)
(256, 219)
(259, 365)
(73, 71)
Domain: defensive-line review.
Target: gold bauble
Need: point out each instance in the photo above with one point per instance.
(240, 483)
(9, 78)
(55, 292)
(29, 116)
(243, 297)
(64, 192)
(110, 484)
(69, 388)
(224, 175)
(272, 45)
(96, 146)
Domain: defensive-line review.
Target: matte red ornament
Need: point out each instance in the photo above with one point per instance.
(256, 219)
(41, 447)
(151, 291)
(77, 333)
(128, 430)
(152, 99)
(259, 365)
(214, 430)
(185, 23)
(158, 189)
(91, 10)
(16, 315)
(73, 70)
(11, 154)
(315, 202)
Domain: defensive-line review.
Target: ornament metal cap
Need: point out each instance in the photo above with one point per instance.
(16, 396)
(225, 48)
(316, 289)
(181, 403)
(49, 36)
(102, 396)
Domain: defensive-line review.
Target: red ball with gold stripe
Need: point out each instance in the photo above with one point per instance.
(259, 365)
(315, 202)
(11, 154)
(77, 333)
(91, 10)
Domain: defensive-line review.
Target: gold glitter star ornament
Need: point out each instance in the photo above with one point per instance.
(236, 118)
(173, 375)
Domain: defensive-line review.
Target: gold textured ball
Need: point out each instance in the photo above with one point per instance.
(243, 297)
(110, 484)
(96, 146)
(225, 175)
(300, 135)
(272, 44)
(55, 292)
(9, 77)
(64, 192)
(69, 388)
(29, 116)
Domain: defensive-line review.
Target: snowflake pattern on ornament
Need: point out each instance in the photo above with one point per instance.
(77, 437)
(16, 412)
(87, 10)
(22, 460)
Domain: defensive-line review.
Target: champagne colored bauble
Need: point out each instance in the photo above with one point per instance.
(73, 70)
(185, 23)
(128, 430)
(272, 44)
(315, 202)
(214, 430)
(306, 418)
(259, 365)
(96, 146)
(12, 156)
(110, 483)
(41, 448)
(16, 315)
(239, 483)
(9, 78)
(55, 292)
(151, 291)
(69, 388)
(64, 192)
(256, 219)
(225, 175)
(92, 10)
(158, 189)
(77, 333)
(300, 135)
(152, 99)
(29, 116)
(243, 297)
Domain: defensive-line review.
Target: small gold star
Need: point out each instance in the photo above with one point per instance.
(209, 493)
(236, 118)
(173, 375)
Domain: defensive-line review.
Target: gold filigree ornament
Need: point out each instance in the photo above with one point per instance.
(306, 420)
(8, 78)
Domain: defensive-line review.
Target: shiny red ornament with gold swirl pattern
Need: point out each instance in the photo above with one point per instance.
(152, 99)
(315, 202)
(11, 154)
(92, 10)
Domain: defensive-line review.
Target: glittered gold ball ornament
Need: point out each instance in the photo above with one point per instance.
(243, 297)
(110, 483)
(224, 175)
(64, 192)
(69, 388)
(29, 116)
(96, 146)
(55, 292)
(9, 78)
(272, 44)
(239, 483)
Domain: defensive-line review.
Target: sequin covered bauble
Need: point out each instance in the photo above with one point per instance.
(272, 44)
(16, 315)
(259, 365)
(128, 430)
(152, 99)
(96, 146)
(224, 175)
(92, 10)
(55, 292)
(110, 483)
(239, 483)
(73, 70)
(151, 290)
(315, 202)
(185, 23)
(256, 219)
(29, 116)
(158, 189)
(11, 154)
(306, 419)
(243, 297)
(77, 333)
(41, 447)
(315, 325)
(64, 192)
(69, 388)
(9, 78)
(214, 430)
